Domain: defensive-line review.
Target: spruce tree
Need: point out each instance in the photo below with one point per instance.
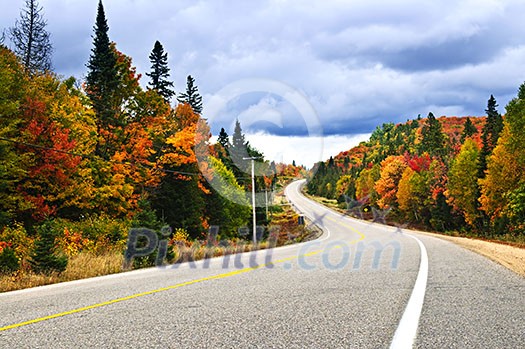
(191, 96)
(433, 141)
(468, 130)
(102, 78)
(239, 152)
(160, 72)
(490, 134)
(43, 259)
(31, 40)
(223, 138)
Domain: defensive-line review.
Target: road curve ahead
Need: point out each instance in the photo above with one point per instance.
(360, 285)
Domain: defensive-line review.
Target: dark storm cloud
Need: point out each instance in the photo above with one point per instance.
(357, 63)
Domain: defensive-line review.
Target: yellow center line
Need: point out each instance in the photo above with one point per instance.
(172, 287)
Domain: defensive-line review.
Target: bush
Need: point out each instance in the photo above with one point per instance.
(9, 263)
(18, 240)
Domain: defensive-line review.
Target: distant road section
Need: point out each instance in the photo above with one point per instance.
(360, 285)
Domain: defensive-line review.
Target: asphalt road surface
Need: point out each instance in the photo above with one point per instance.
(361, 285)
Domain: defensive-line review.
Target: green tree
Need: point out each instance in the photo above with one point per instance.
(44, 258)
(9, 263)
(433, 139)
(31, 40)
(463, 189)
(227, 204)
(191, 96)
(160, 72)
(102, 80)
(490, 134)
(223, 138)
(468, 130)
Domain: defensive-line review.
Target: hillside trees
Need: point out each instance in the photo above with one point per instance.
(502, 187)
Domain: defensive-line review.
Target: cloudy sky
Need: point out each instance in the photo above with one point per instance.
(303, 75)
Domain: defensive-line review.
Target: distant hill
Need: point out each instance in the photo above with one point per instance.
(399, 138)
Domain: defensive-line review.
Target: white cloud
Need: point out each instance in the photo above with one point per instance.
(359, 63)
(304, 150)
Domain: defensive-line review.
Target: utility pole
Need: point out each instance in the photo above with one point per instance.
(253, 199)
(266, 196)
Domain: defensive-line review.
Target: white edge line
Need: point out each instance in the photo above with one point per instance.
(406, 331)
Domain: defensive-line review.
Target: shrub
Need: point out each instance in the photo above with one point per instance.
(9, 263)
(18, 240)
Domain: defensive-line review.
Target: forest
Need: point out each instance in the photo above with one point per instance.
(461, 175)
(82, 162)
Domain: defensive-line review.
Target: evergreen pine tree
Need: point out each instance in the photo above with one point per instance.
(490, 134)
(468, 130)
(43, 259)
(8, 261)
(433, 141)
(102, 78)
(31, 40)
(223, 138)
(191, 96)
(160, 72)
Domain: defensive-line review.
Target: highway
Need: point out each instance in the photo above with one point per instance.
(360, 285)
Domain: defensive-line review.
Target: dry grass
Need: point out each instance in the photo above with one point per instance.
(81, 266)
(511, 257)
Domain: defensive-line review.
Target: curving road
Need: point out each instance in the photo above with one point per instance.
(361, 285)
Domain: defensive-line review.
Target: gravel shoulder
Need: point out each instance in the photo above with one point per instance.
(509, 256)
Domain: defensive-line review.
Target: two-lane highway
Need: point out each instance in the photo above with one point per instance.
(360, 285)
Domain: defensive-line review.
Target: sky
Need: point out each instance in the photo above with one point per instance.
(308, 79)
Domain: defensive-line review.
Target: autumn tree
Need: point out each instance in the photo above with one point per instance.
(392, 169)
(191, 96)
(13, 88)
(462, 190)
(413, 194)
(365, 184)
(180, 196)
(30, 38)
(160, 72)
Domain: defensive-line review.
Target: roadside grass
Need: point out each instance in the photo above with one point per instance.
(84, 265)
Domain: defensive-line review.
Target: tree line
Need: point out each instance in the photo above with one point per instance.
(445, 174)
